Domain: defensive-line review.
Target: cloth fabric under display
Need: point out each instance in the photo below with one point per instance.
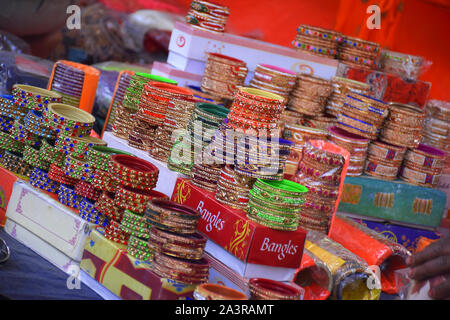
(352, 279)
(374, 248)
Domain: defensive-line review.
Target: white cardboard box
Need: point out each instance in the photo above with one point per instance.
(48, 219)
(183, 78)
(166, 179)
(248, 270)
(188, 47)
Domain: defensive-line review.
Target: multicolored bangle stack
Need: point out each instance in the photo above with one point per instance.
(436, 131)
(140, 249)
(87, 190)
(205, 176)
(233, 189)
(405, 66)
(213, 291)
(404, 126)
(22, 136)
(133, 172)
(105, 204)
(267, 289)
(384, 160)
(223, 75)
(319, 171)
(114, 232)
(78, 169)
(362, 115)
(34, 98)
(317, 41)
(276, 204)
(137, 228)
(39, 179)
(206, 118)
(341, 87)
(207, 15)
(141, 135)
(6, 124)
(10, 144)
(77, 147)
(57, 174)
(203, 96)
(310, 95)
(123, 122)
(32, 156)
(135, 199)
(176, 116)
(274, 79)
(103, 180)
(360, 53)
(182, 270)
(88, 212)
(48, 152)
(67, 196)
(322, 122)
(99, 156)
(423, 166)
(11, 108)
(13, 162)
(356, 145)
(34, 123)
(69, 121)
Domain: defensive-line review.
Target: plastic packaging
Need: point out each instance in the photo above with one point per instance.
(406, 66)
(374, 248)
(352, 277)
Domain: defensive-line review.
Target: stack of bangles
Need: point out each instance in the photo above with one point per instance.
(98, 157)
(342, 86)
(140, 249)
(142, 135)
(105, 204)
(114, 232)
(87, 190)
(173, 217)
(9, 144)
(181, 246)
(356, 145)
(317, 41)
(103, 180)
(310, 95)
(13, 162)
(182, 270)
(12, 109)
(233, 188)
(223, 75)
(207, 15)
(276, 204)
(33, 158)
(267, 289)
(48, 152)
(34, 98)
(205, 176)
(78, 169)
(124, 122)
(6, 123)
(69, 121)
(21, 135)
(255, 112)
(67, 196)
(88, 212)
(135, 225)
(403, 126)
(133, 172)
(178, 115)
(384, 160)
(213, 291)
(274, 79)
(423, 166)
(77, 147)
(39, 179)
(362, 115)
(57, 174)
(34, 122)
(360, 53)
(135, 199)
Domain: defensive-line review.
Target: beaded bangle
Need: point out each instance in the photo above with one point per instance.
(67, 196)
(135, 199)
(39, 179)
(57, 174)
(35, 124)
(13, 162)
(134, 172)
(68, 120)
(78, 169)
(33, 97)
(33, 157)
(87, 190)
(9, 144)
(49, 153)
(77, 147)
(102, 180)
(99, 156)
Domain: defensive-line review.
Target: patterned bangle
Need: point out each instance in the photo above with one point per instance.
(67, 196)
(135, 199)
(33, 97)
(87, 190)
(68, 120)
(357, 126)
(57, 174)
(77, 147)
(396, 135)
(386, 151)
(426, 157)
(419, 178)
(78, 169)
(133, 172)
(40, 179)
(406, 116)
(9, 144)
(103, 180)
(33, 157)
(381, 169)
(35, 123)
(20, 134)
(266, 289)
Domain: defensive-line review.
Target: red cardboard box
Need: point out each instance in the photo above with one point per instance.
(7, 180)
(389, 87)
(243, 238)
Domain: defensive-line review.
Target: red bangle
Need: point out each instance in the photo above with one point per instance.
(134, 172)
(57, 174)
(87, 190)
(135, 199)
(269, 289)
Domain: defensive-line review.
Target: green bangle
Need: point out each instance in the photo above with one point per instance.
(263, 206)
(276, 197)
(282, 187)
(147, 76)
(212, 111)
(272, 225)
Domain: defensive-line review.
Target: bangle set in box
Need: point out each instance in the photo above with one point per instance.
(208, 16)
